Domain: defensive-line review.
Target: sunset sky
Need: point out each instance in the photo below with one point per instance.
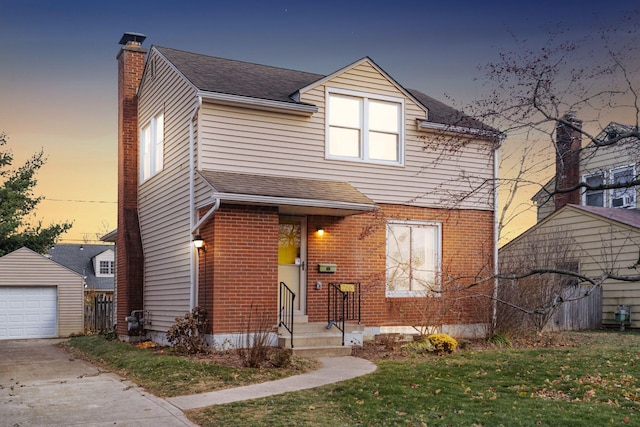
(58, 83)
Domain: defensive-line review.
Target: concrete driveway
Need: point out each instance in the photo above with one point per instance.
(41, 385)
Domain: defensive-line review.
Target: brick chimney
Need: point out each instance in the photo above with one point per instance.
(129, 255)
(568, 146)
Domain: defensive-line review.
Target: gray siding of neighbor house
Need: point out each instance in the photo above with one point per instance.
(27, 268)
(163, 199)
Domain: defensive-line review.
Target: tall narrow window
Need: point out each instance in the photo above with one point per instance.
(413, 258)
(594, 197)
(364, 127)
(152, 147)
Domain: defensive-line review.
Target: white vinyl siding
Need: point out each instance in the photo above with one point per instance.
(235, 139)
(413, 258)
(163, 202)
(26, 269)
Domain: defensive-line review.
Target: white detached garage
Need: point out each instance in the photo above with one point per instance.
(39, 298)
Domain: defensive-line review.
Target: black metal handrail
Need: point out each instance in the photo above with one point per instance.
(343, 303)
(287, 296)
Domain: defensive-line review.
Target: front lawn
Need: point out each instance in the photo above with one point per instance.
(593, 379)
(167, 374)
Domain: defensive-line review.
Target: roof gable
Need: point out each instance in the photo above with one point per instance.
(33, 258)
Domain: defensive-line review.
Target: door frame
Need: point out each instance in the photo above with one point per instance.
(302, 296)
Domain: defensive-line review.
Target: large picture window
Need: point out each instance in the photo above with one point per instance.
(413, 258)
(363, 127)
(152, 147)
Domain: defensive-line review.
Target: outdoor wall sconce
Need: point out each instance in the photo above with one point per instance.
(320, 230)
(198, 242)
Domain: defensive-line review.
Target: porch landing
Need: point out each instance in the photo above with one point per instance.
(313, 339)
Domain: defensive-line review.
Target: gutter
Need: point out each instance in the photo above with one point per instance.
(257, 103)
(425, 124)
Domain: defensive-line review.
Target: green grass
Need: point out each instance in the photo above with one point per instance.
(596, 383)
(170, 375)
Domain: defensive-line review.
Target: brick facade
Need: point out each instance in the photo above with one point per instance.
(243, 266)
(568, 147)
(129, 258)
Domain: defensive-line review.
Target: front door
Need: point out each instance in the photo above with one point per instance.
(292, 258)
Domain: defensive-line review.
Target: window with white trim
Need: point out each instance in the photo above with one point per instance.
(593, 197)
(413, 258)
(623, 197)
(152, 147)
(363, 127)
(106, 268)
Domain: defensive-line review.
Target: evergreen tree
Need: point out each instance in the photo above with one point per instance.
(17, 202)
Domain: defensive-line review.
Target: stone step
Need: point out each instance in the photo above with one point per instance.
(313, 352)
(317, 339)
(313, 327)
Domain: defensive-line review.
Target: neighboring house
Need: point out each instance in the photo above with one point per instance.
(96, 264)
(299, 178)
(600, 228)
(38, 297)
(616, 164)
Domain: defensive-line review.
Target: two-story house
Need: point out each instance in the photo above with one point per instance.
(601, 224)
(298, 179)
(96, 264)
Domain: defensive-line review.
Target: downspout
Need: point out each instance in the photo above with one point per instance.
(496, 236)
(192, 211)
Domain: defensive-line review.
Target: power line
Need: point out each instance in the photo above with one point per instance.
(76, 201)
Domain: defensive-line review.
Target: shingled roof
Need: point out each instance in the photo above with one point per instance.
(232, 77)
(79, 258)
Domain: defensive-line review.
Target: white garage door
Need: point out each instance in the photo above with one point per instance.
(28, 312)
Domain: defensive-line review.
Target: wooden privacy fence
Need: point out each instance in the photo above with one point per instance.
(98, 313)
(581, 314)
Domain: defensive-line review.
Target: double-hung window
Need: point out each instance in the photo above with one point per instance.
(413, 258)
(594, 197)
(152, 147)
(362, 127)
(624, 197)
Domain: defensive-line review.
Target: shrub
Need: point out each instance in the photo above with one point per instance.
(253, 346)
(443, 343)
(419, 347)
(500, 340)
(187, 334)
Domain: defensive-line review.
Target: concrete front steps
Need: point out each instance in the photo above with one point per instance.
(313, 340)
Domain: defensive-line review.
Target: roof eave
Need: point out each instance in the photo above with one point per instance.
(349, 208)
(257, 103)
(427, 125)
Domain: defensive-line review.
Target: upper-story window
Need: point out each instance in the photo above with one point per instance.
(413, 258)
(364, 127)
(152, 147)
(106, 268)
(623, 197)
(594, 197)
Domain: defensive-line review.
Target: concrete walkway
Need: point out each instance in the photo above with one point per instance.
(334, 369)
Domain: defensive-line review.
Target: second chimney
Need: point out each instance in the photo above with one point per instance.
(568, 146)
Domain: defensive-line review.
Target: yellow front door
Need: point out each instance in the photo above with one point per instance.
(292, 257)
